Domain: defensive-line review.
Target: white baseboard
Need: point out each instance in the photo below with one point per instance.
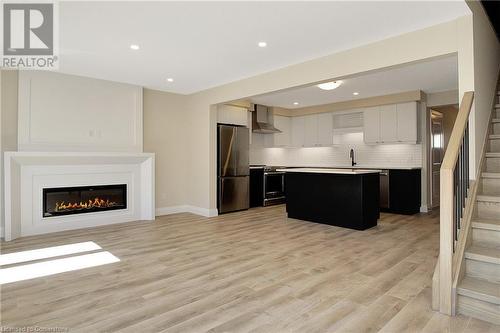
(186, 209)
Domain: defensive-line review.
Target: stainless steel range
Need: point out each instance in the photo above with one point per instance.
(274, 186)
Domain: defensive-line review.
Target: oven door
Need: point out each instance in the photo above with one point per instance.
(274, 187)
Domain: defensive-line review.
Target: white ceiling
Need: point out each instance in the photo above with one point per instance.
(206, 44)
(430, 76)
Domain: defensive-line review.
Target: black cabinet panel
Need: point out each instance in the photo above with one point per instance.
(405, 191)
(349, 201)
(256, 187)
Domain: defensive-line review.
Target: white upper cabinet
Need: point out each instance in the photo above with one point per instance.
(232, 115)
(390, 123)
(371, 125)
(407, 122)
(325, 129)
(310, 131)
(284, 124)
(298, 131)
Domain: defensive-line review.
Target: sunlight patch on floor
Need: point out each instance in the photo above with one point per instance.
(48, 252)
(45, 268)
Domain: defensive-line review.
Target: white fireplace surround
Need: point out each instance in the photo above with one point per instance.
(28, 173)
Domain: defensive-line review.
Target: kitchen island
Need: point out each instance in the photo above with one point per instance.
(346, 198)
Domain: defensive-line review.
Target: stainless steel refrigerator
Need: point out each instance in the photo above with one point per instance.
(233, 184)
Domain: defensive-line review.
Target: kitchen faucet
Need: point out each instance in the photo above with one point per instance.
(351, 156)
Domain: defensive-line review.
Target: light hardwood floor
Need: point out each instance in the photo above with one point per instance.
(249, 271)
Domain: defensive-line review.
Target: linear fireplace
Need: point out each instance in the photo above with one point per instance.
(83, 199)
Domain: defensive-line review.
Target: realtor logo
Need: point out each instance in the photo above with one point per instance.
(29, 35)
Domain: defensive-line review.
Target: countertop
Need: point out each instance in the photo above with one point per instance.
(378, 167)
(334, 171)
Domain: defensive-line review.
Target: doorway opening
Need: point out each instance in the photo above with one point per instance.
(442, 120)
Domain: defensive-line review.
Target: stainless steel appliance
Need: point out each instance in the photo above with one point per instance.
(262, 120)
(274, 186)
(233, 168)
(384, 189)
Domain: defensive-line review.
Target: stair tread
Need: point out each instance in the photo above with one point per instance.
(480, 289)
(494, 136)
(490, 154)
(490, 224)
(490, 174)
(488, 197)
(483, 253)
(495, 120)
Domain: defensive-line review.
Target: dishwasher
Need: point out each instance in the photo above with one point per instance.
(384, 189)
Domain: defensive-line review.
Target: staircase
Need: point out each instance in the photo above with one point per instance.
(478, 293)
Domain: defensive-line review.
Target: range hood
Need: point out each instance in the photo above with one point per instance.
(262, 121)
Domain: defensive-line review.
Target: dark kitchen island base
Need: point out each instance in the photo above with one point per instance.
(344, 200)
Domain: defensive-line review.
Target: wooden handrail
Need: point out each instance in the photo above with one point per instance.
(457, 134)
(448, 202)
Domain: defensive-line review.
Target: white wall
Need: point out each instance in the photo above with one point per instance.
(165, 134)
(442, 98)
(59, 112)
(486, 70)
(8, 126)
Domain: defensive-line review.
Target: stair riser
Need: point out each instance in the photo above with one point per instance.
(495, 146)
(488, 210)
(492, 164)
(489, 237)
(490, 185)
(482, 270)
(478, 309)
(496, 128)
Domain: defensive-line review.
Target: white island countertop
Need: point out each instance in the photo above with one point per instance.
(334, 171)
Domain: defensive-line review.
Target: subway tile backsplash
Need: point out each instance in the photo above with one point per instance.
(393, 155)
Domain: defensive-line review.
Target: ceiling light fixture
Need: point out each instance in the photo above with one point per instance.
(170, 79)
(262, 44)
(134, 46)
(355, 93)
(329, 85)
(295, 103)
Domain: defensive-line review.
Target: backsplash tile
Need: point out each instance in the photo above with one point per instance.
(395, 155)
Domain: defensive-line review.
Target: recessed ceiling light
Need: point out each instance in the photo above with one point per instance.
(134, 46)
(262, 44)
(295, 103)
(170, 79)
(329, 85)
(355, 93)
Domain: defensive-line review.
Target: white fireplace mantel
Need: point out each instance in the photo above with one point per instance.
(27, 173)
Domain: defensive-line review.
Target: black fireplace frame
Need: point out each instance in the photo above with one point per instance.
(123, 187)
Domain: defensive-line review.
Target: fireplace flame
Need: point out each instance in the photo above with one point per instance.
(95, 203)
